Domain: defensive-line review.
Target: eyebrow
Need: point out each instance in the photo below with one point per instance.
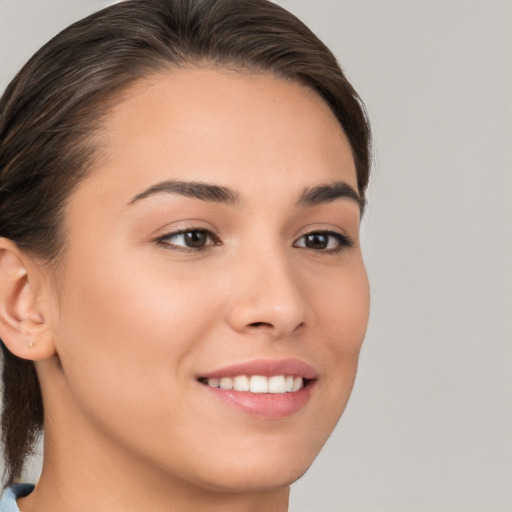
(196, 190)
(329, 192)
(218, 194)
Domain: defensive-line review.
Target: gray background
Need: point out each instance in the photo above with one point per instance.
(429, 425)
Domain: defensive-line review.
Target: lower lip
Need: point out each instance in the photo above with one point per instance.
(264, 405)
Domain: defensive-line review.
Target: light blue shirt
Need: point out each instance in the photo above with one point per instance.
(11, 494)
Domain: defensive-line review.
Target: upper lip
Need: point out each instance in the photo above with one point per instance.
(266, 368)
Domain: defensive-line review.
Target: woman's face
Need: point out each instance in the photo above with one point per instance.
(217, 240)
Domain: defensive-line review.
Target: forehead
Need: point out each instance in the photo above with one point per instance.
(221, 126)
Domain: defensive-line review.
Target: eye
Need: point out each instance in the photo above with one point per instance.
(188, 239)
(326, 241)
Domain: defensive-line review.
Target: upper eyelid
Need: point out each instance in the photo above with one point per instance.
(342, 238)
(170, 231)
(178, 232)
(329, 231)
(335, 232)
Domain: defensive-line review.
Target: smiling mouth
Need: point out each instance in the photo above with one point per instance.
(268, 389)
(276, 384)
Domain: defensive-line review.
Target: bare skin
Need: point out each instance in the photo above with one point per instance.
(138, 314)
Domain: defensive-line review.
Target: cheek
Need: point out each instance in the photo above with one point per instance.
(128, 329)
(342, 312)
(344, 309)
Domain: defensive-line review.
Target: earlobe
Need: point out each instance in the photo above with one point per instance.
(23, 328)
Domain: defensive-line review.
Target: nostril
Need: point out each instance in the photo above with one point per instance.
(260, 324)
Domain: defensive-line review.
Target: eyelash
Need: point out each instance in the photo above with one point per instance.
(344, 241)
(163, 240)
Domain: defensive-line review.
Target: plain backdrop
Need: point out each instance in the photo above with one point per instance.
(429, 425)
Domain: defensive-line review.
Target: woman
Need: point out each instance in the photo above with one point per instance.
(183, 297)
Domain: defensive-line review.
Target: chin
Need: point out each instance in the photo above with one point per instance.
(257, 473)
(255, 480)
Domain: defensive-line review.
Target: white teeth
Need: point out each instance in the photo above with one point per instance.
(241, 383)
(226, 383)
(214, 383)
(258, 383)
(297, 384)
(276, 384)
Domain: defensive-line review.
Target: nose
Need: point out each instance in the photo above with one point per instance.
(266, 297)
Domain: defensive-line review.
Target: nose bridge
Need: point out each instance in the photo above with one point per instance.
(267, 294)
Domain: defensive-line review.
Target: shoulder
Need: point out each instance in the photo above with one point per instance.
(11, 494)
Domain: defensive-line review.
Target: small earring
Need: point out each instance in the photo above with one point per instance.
(31, 344)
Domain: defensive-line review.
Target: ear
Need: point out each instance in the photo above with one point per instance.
(23, 328)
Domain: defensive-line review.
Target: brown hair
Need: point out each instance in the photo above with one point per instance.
(51, 110)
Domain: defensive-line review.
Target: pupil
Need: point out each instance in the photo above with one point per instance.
(316, 241)
(195, 239)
